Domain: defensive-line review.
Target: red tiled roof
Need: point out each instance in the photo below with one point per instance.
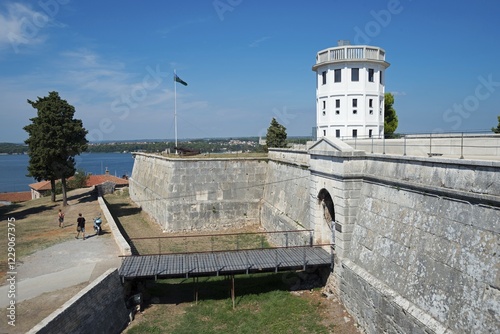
(16, 197)
(41, 186)
(99, 179)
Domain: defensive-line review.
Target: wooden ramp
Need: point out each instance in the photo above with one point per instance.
(224, 263)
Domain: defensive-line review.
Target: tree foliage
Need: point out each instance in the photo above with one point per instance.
(276, 135)
(497, 129)
(390, 117)
(55, 137)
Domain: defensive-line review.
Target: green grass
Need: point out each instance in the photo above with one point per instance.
(263, 305)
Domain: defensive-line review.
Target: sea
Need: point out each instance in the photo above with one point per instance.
(13, 168)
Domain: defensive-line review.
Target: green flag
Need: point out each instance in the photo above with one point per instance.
(179, 80)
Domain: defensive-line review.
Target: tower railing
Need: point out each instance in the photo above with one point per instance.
(350, 52)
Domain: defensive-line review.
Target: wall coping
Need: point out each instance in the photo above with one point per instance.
(207, 158)
(119, 239)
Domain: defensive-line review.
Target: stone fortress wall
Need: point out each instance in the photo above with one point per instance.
(416, 238)
(198, 193)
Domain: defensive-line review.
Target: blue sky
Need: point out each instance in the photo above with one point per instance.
(245, 62)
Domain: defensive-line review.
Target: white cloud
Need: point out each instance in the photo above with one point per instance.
(396, 93)
(257, 42)
(21, 25)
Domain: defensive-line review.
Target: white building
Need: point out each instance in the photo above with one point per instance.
(350, 91)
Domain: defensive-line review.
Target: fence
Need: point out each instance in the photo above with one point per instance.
(458, 145)
(219, 242)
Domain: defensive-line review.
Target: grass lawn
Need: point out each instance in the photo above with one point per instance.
(263, 305)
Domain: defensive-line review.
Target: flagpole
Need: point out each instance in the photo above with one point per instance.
(175, 110)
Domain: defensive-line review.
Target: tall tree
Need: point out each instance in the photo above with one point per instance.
(55, 137)
(390, 117)
(497, 129)
(276, 135)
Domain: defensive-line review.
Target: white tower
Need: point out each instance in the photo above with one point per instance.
(350, 91)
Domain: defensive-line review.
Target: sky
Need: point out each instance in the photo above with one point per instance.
(245, 63)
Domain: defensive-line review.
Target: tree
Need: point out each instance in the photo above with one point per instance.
(79, 180)
(55, 137)
(390, 117)
(497, 129)
(276, 135)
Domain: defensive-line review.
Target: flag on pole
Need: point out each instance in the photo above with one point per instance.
(179, 80)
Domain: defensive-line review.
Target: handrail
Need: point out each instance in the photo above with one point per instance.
(234, 250)
(218, 234)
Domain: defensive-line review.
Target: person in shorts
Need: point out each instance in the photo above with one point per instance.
(60, 218)
(80, 226)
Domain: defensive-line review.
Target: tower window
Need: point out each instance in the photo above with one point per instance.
(370, 74)
(324, 104)
(323, 77)
(324, 133)
(354, 133)
(338, 77)
(324, 113)
(354, 103)
(354, 74)
(337, 133)
(337, 103)
(380, 77)
(337, 112)
(370, 133)
(370, 103)
(371, 112)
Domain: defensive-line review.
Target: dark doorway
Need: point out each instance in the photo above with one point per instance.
(326, 200)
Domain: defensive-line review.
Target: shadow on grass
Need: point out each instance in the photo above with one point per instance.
(85, 197)
(18, 215)
(122, 210)
(178, 291)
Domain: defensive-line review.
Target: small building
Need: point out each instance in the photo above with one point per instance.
(40, 189)
(350, 88)
(95, 180)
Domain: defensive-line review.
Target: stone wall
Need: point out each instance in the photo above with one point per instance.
(98, 308)
(284, 202)
(198, 194)
(417, 238)
(424, 248)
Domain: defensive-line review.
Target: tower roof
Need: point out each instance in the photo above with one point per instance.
(350, 53)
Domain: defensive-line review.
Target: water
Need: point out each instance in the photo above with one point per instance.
(13, 168)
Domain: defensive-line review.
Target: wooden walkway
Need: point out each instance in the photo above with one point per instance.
(223, 263)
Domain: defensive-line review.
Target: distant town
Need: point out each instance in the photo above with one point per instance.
(210, 145)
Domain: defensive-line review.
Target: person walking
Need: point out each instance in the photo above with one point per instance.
(80, 226)
(60, 218)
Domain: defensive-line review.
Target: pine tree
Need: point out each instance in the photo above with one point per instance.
(55, 137)
(390, 117)
(276, 135)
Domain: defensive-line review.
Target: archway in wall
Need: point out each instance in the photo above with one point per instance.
(328, 216)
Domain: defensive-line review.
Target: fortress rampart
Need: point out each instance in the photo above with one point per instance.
(416, 238)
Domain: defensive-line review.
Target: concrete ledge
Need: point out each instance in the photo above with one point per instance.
(98, 308)
(119, 239)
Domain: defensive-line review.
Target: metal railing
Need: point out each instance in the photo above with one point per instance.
(199, 243)
(456, 145)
